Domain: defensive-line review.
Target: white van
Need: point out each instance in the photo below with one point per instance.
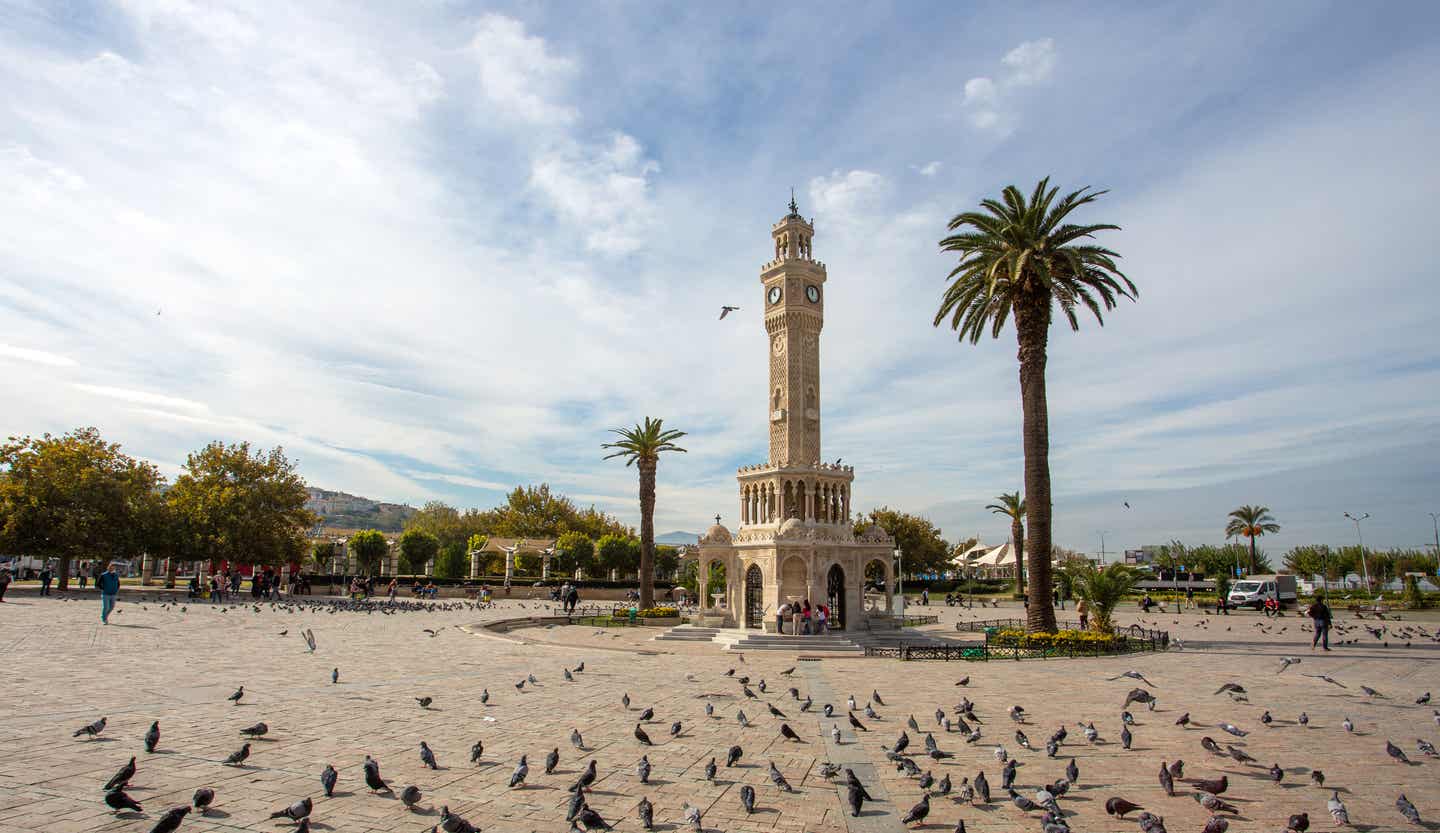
(1256, 590)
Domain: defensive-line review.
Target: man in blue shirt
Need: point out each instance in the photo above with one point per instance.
(108, 583)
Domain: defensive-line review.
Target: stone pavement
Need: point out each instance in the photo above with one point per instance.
(66, 670)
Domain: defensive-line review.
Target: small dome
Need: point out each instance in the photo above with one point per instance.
(790, 525)
(717, 534)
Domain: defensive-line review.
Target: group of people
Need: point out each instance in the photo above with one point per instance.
(568, 595)
(804, 619)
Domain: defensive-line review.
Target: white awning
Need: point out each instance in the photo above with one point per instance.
(968, 557)
(998, 557)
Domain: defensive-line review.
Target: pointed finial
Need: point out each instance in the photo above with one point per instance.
(794, 209)
(717, 520)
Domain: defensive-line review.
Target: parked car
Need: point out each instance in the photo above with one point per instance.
(1254, 591)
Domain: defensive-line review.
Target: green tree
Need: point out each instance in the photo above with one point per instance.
(369, 547)
(642, 446)
(919, 539)
(75, 496)
(1012, 506)
(417, 548)
(618, 554)
(1251, 522)
(667, 560)
(440, 520)
(453, 561)
(574, 551)
(1310, 560)
(1103, 590)
(243, 507)
(322, 556)
(1019, 257)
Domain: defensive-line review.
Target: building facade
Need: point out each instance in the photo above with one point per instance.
(795, 540)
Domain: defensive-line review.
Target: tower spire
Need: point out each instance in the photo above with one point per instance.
(794, 209)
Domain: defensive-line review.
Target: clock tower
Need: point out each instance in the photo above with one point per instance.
(794, 287)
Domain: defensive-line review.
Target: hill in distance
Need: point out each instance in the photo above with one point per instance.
(339, 510)
(676, 538)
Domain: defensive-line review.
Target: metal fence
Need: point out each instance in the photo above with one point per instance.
(1129, 640)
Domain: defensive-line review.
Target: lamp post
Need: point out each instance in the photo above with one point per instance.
(900, 575)
(1102, 547)
(1435, 522)
(1361, 539)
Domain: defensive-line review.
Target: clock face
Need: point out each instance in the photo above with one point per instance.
(813, 293)
(774, 295)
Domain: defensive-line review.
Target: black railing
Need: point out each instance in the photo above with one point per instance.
(1126, 641)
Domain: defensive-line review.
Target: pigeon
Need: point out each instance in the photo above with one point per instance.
(1426, 748)
(565, 672)
(788, 733)
(1231, 687)
(675, 729)
(1216, 824)
(522, 769)
(552, 760)
(1215, 787)
(641, 736)
(117, 800)
(692, 815)
(328, 776)
(835, 734)
(1422, 699)
(202, 799)
(1025, 804)
(726, 310)
(747, 798)
(918, 812)
(152, 736)
(1396, 752)
(484, 696)
(1214, 804)
(1134, 675)
(710, 709)
(1407, 809)
(170, 822)
(982, 788)
(1303, 719)
(927, 780)
(334, 676)
(1286, 662)
(1125, 737)
(427, 757)
(1209, 745)
(1347, 725)
(774, 712)
(372, 776)
(238, 756)
(778, 779)
(476, 752)
(586, 778)
(710, 769)
(828, 710)
(1183, 720)
(742, 719)
(590, 820)
(943, 787)
(1317, 777)
(1072, 772)
(451, 823)
(1234, 730)
(804, 704)
(235, 698)
(1017, 713)
(1276, 773)
(424, 701)
(410, 796)
(855, 722)
(1127, 718)
(1167, 782)
(1239, 754)
(647, 715)
(1330, 680)
(1370, 692)
(1298, 823)
(901, 743)
(91, 730)
(646, 812)
(642, 769)
(732, 756)
(258, 730)
(296, 811)
(1266, 718)
(1137, 695)
(1337, 809)
(122, 777)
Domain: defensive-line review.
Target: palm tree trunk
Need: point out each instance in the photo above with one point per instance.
(647, 533)
(1017, 537)
(1252, 555)
(64, 570)
(1032, 327)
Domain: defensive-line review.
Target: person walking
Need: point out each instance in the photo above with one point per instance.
(4, 582)
(1319, 614)
(108, 583)
(46, 575)
(1190, 597)
(390, 591)
(925, 597)
(1083, 609)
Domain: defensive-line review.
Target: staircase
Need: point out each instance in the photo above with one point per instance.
(688, 633)
(841, 642)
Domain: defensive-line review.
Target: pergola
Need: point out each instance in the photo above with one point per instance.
(511, 547)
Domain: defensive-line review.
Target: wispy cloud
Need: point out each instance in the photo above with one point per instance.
(37, 356)
(989, 103)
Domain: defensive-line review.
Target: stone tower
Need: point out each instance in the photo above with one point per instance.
(794, 287)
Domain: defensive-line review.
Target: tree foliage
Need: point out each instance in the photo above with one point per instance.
(1012, 506)
(1021, 257)
(1102, 590)
(75, 496)
(574, 551)
(369, 547)
(1251, 522)
(417, 549)
(618, 553)
(453, 561)
(919, 539)
(242, 506)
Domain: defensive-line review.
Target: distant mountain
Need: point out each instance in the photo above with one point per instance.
(338, 510)
(677, 538)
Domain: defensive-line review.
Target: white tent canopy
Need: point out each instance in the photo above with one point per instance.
(966, 558)
(1001, 556)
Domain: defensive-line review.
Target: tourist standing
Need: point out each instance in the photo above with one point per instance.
(4, 582)
(780, 616)
(1190, 597)
(574, 597)
(46, 574)
(390, 591)
(822, 620)
(84, 573)
(108, 583)
(925, 597)
(1319, 614)
(1083, 609)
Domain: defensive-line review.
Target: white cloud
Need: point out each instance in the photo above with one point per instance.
(141, 397)
(928, 169)
(841, 196)
(603, 189)
(518, 74)
(1031, 62)
(36, 356)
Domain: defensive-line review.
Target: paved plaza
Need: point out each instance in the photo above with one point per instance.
(65, 670)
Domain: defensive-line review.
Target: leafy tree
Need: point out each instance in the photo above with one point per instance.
(453, 561)
(642, 446)
(1012, 506)
(243, 507)
(417, 548)
(369, 547)
(1019, 257)
(667, 560)
(75, 496)
(1103, 590)
(440, 520)
(618, 554)
(1251, 522)
(535, 512)
(322, 556)
(919, 539)
(1311, 560)
(574, 551)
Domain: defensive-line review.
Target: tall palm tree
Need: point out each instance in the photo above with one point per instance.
(642, 445)
(1012, 505)
(1018, 257)
(1251, 522)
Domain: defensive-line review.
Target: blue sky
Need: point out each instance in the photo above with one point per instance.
(436, 249)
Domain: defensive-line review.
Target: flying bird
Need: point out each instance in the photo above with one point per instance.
(726, 310)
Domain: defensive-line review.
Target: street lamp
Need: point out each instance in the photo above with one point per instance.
(1435, 522)
(900, 557)
(1363, 566)
(1102, 547)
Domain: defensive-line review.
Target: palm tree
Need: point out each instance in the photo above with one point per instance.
(1103, 590)
(642, 446)
(1251, 522)
(1019, 257)
(1013, 506)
